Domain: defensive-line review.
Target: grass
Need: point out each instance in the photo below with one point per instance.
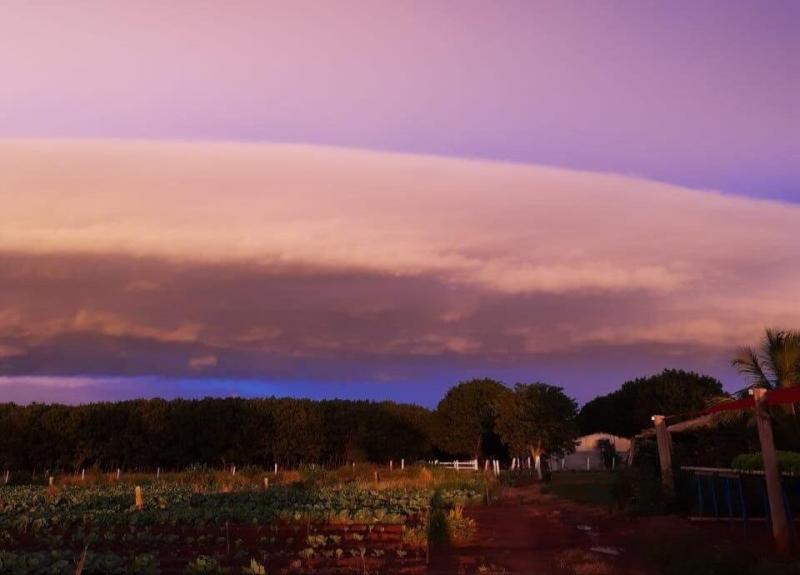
(586, 487)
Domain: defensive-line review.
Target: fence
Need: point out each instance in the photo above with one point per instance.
(774, 499)
(739, 495)
(471, 465)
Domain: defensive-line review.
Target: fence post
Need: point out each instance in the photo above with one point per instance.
(402, 464)
(664, 453)
(772, 477)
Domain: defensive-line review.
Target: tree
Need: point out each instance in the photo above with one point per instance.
(775, 364)
(465, 418)
(536, 419)
(628, 410)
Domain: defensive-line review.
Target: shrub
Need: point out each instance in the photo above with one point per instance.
(788, 461)
(204, 564)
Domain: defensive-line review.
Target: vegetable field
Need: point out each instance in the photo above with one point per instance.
(300, 527)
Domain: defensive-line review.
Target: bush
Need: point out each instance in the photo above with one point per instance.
(788, 461)
(638, 491)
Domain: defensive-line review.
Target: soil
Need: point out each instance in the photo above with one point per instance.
(532, 533)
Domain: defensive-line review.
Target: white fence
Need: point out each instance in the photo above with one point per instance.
(471, 465)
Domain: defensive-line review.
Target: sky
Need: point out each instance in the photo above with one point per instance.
(379, 199)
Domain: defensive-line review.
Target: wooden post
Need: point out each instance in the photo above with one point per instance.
(391, 465)
(266, 483)
(402, 464)
(772, 477)
(8, 473)
(631, 452)
(538, 466)
(158, 472)
(664, 453)
(83, 474)
(51, 488)
(588, 464)
(137, 493)
(118, 472)
(233, 470)
(276, 469)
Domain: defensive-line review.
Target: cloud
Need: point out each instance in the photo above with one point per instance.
(202, 362)
(288, 262)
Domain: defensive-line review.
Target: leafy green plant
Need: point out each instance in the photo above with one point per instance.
(255, 568)
(205, 565)
(788, 461)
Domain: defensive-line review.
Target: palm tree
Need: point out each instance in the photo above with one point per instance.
(775, 364)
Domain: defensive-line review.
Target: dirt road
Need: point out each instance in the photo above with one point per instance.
(531, 533)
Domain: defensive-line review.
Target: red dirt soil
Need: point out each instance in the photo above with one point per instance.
(532, 533)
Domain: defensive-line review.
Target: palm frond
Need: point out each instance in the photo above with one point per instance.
(785, 358)
(748, 363)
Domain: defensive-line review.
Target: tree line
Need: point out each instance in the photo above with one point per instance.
(477, 418)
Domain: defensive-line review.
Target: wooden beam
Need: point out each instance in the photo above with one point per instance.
(777, 511)
(664, 454)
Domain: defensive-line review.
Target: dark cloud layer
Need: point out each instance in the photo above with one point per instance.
(103, 316)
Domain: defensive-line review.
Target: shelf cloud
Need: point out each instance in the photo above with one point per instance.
(130, 258)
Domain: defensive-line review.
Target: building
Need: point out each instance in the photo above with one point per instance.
(587, 455)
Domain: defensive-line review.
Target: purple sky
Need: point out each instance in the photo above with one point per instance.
(147, 268)
(701, 93)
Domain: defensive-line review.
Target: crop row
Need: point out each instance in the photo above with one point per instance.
(33, 509)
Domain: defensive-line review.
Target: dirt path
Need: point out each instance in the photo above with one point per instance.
(531, 533)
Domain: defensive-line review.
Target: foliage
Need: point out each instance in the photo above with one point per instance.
(61, 562)
(466, 416)
(775, 363)
(628, 410)
(788, 461)
(638, 490)
(609, 453)
(536, 419)
(255, 568)
(294, 522)
(204, 564)
(437, 519)
(175, 434)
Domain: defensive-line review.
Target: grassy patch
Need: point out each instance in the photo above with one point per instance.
(589, 487)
